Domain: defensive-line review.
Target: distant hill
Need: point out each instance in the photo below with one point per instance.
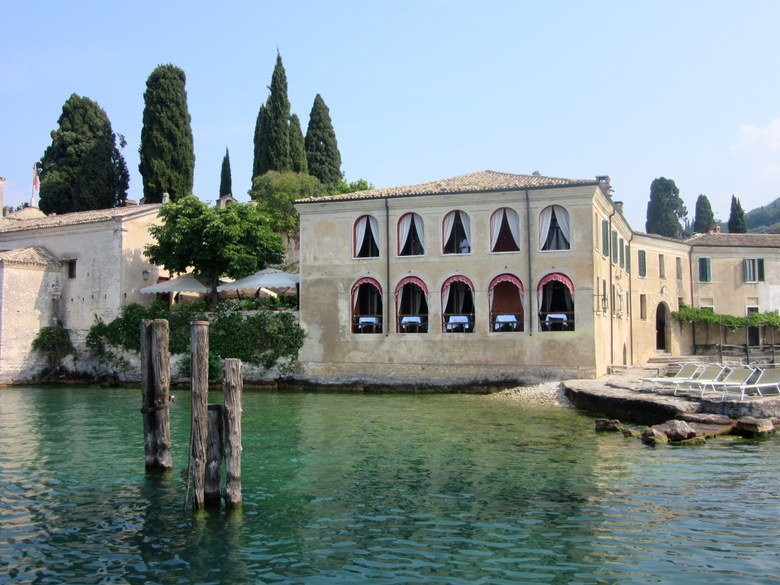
(764, 220)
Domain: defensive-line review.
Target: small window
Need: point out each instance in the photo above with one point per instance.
(705, 270)
(605, 237)
(554, 230)
(661, 268)
(678, 267)
(643, 307)
(754, 269)
(642, 259)
(71, 264)
(505, 231)
(456, 233)
(366, 237)
(411, 235)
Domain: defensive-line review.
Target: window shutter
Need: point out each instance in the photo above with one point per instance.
(605, 237)
(614, 247)
(642, 263)
(628, 258)
(760, 263)
(622, 253)
(745, 270)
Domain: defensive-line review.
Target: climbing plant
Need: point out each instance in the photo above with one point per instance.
(706, 316)
(54, 342)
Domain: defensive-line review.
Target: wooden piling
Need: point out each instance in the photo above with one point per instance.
(199, 382)
(232, 386)
(211, 493)
(155, 394)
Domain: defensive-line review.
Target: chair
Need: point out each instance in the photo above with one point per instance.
(769, 378)
(736, 377)
(686, 372)
(708, 374)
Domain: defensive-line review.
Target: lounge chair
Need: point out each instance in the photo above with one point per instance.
(769, 378)
(735, 378)
(687, 371)
(708, 374)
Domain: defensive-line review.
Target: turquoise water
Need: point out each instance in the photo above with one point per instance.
(343, 489)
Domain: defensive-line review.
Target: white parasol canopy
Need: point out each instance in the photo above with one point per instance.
(267, 278)
(184, 283)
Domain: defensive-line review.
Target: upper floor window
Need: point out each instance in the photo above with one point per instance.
(705, 270)
(753, 269)
(678, 268)
(554, 230)
(642, 259)
(605, 237)
(661, 268)
(366, 237)
(456, 233)
(505, 230)
(622, 253)
(411, 235)
(71, 264)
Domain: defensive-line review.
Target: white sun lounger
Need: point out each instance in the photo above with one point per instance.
(708, 374)
(687, 371)
(768, 379)
(735, 378)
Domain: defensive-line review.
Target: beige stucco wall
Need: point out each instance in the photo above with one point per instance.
(328, 272)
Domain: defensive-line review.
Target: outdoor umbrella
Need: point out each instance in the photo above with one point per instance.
(268, 278)
(184, 283)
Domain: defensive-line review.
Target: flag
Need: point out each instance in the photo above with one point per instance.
(36, 179)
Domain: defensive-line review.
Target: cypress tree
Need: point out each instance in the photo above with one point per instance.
(275, 126)
(322, 150)
(167, 153)
(260, 140)
(82, 169)
(665, 209)
(704, 218)
(297, 151)
(225, 180)
(737, 223)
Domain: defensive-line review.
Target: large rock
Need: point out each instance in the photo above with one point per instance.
(676, 430)
(708, 419)
(607, 424)
(653, 436)
(754, 427)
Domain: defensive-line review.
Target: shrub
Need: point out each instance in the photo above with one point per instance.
(54, 342)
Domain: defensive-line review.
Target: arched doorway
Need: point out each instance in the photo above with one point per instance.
(661, 327)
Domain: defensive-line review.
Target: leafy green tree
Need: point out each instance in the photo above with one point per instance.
(82, 169)
(322, 150)
(665, 209)
(225, 179)
(261, 136)
(234, 241)
(275, 193)
(167, 152)
(297, 152)
(704, 218)
(737, 223)
(274, 128)
(341, 187)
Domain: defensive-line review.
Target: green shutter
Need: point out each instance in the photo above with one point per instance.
(745, 275)
(642, 256)
(622, 252)
(614, 247)
(605, 237)
(705, 270)
(628, 258)
(760, 267)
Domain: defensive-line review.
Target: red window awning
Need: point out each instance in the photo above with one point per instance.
(560, 278)
(411, 280)
(506, 278)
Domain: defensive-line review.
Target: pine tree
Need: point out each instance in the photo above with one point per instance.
(225, 179)
(167, 153)
(665, 209)
(260, 140)
(297, 151)
(274, 128)
(322, 150)
(737, 223)
(82, 169)
(704, 218)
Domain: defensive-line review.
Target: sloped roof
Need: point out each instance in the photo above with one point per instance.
(35, 256)
(735, 240)
(471, 183)
(75, 218)
(659, 237)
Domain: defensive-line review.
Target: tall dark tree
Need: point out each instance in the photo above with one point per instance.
(704, 218)
(297, 151)
(82, 169)
(737, 223)
(167, 152)
(322, 150)
(261, 135)
(665, 209)
(274, 128)
(225, 179)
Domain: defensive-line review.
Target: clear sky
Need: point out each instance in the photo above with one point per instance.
(423, 90)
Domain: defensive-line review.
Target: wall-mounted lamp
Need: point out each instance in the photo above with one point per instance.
(145, 274)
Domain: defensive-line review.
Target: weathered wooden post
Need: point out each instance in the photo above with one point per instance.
(155, 394)
(232, 386)
(212, 495)
(199, 382)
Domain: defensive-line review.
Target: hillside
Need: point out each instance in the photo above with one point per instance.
(764, 220)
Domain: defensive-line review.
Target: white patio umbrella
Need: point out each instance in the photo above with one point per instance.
(184, 283)
(267, 278)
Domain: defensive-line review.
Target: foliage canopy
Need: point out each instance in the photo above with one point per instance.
(275, 193)
(665, 209)
(322, 150)
(704, 218)
(737, 223)
(225, 178)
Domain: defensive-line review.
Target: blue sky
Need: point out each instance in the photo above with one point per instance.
(425, 90)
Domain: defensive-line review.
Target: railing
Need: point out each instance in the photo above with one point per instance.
(457, 322)
(366, 323)
(506, 322)
(556, 320)
(412, 323)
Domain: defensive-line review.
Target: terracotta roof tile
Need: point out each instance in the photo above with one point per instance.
(36, 256)
(472, 183)
(74, 218)
(736, 240)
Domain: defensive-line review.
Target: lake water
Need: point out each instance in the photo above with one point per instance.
(342, 489)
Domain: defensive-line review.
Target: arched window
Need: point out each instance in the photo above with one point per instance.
(411, 235)
(456, 233)
(556, 303)
(457, 304)
(411, 302)
(505, 294)
(505, 230)
(554, 230)
(366, 237)
(366, 306)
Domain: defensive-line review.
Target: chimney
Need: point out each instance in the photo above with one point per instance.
(619, 206)
(714, 229)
